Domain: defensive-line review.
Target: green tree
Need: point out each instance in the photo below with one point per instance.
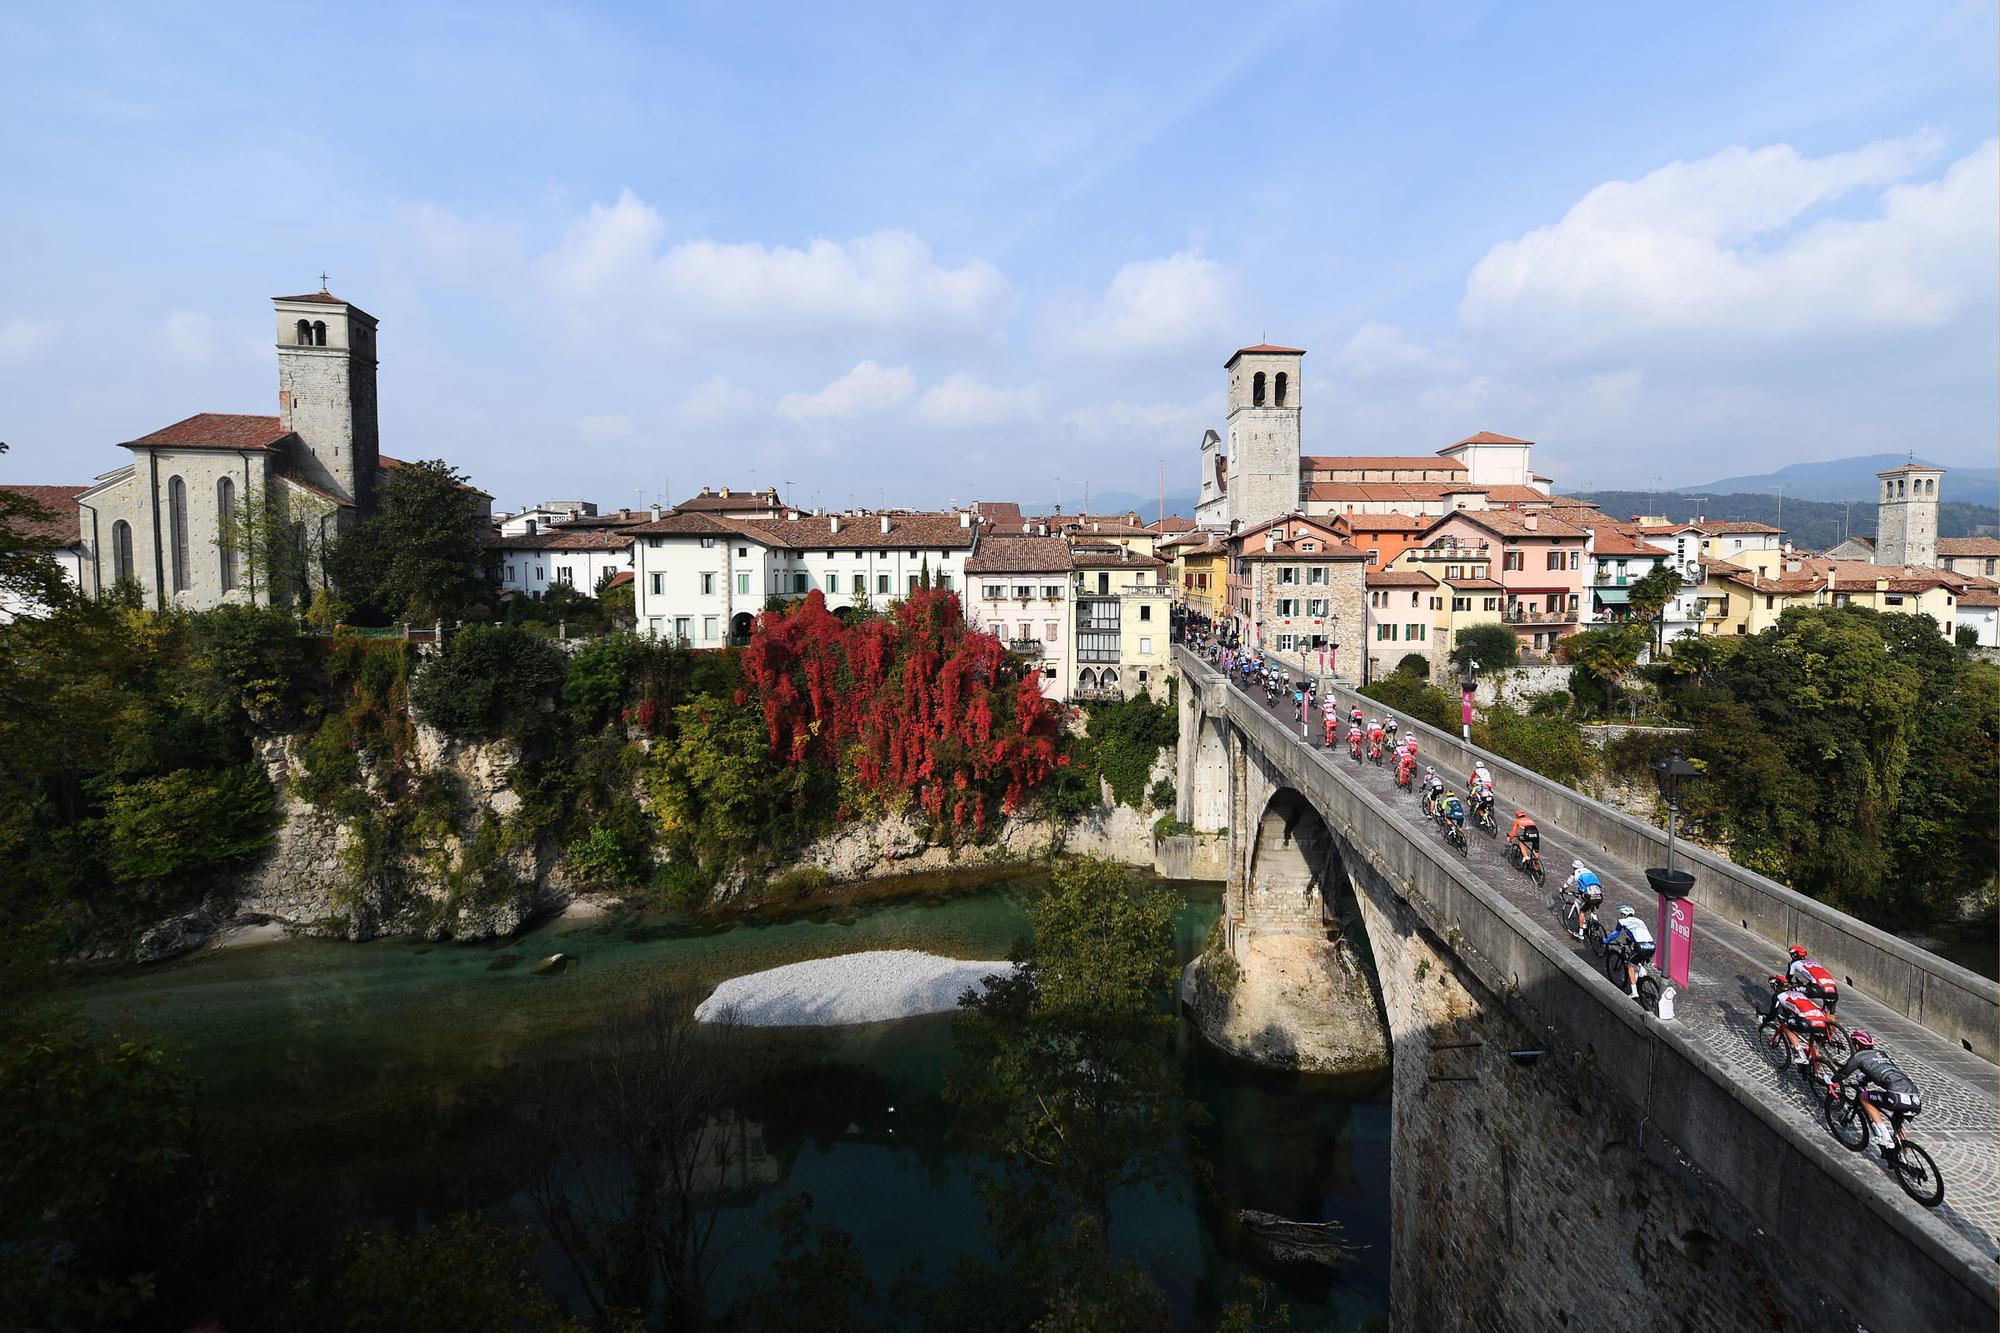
(490, 681)
(463, 1273)
(1065, 1083)
(1966, 637)
(187, 823)
(1651, 595)
(1492, 645)
(1606, 654)
(29, 536)
(281, 543)
(422, 554)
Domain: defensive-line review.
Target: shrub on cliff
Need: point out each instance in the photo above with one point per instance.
(491, 681)
(1123, 743)
(187, 823)
(1410, 696)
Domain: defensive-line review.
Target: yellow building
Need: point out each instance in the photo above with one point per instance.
(1124, 624)
(1749, 597)
(1200, 571)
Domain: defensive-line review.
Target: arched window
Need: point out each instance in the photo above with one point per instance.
(1279, 396)
(121, 551)
(225, 530)
(177, 530)
(1086, 679)
(305, 333)
(319, 333)
(1257, 389)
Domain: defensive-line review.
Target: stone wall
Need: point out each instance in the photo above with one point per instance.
(1514, 686)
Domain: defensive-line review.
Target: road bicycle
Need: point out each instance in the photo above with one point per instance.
(1855, 1115)
(1482, 815)
(1528, 860)
(1631, 973)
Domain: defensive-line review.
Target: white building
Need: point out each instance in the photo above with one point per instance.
(58, 533)
(543, 514)
(702, 579)
(535, 560)
(1980, 609)
(1018, 589)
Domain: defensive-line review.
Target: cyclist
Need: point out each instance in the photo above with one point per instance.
(1406, 765)
(1810, 977)
(1375, 739)
(1329, 717)
(1355, 716)
(1354, 741)
(1480, 776)
(1451, 810)
(1482, 798)
(1588, 891)
(1633, 939)
(1525, 838)
(1797, 1016)
(1433, 788)
(1892, 1092)
(1389, 728)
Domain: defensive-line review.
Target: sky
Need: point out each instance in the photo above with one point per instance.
(930, 253)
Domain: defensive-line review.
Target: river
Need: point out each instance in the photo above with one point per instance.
(368, 1082)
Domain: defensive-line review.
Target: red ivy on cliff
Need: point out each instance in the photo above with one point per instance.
(924, 702)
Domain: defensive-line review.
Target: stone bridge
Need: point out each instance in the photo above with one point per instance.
(1560, 1157)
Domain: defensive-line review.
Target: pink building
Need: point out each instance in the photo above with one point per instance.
(1538, 560)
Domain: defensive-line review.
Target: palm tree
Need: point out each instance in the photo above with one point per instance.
(1651, 595)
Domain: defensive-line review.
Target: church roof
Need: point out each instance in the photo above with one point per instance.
(1269, 348)
(1968, 546)
(216, 430)
(1486, 437)
(60, 525)
(317, 298)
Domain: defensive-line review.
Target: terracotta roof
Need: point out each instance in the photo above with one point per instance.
(1612, 541)
(1979, 597)
(1509, 523)
(620, 579)
(617, 518)
(1020, 555)
(63, 525)
(1908, 467)
(1382, 522)
(913, 531)
(317, 298)
(553, 539)
(388, 464)
(1393, 492)
(1267, 347)
(1400, 578)
(1846, 576)
(217, 430)
(1172, 523)
(1517, 495)
(683, 523)
(1107, 527)
(1487, 437)
(1477, 585)
(1347, 462)
(710, 501)
(1726, 527)
(311, 489)
(1112, 557)
(1969, 546)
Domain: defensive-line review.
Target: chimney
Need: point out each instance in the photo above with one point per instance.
(724, 492)
(1530, 522)
(706, 491)
(833, 523)
(965, 518)
(885, 525)
(656, 513)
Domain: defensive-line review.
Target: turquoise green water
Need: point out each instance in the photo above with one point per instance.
(372, 1080)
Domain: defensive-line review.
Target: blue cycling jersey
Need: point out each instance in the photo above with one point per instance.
(1587, 879)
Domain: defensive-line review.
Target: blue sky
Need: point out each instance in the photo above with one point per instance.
(915, 254)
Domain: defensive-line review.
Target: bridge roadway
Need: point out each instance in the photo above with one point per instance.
(1960, 1122)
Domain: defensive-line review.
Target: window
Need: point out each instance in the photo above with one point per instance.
(1461, 603)
(1453, 571)
(1145, 613)
(1316, 576)
(653, 626)
(1510, 559)
(177, 530)
(913, 583)
(743, 585)
(319, 333)
(942, 580)
(1027, 631)
(1555, 603)
(1051, 592)
(683, 628)
(1437, 603)
(225, 514)
(1414, 633)
(1278, 389)
(1104, 583)
(303, 331)
(1576, 559)
(707, 543)
(1288, 606)
(1317, 606)
(707, 584)
(1572, 601)
(1555, 559)
(1768, 599)
(659, 587)
(1492, 604)
(121, 551)
(1145, 647)
(743, 552)
(1286, 642)
(995, 591)
(1288, 574)
(799, 581)
(1257, 389)
(563, 575)
(1051, 631)
(860, 585)
(1892, 599)
(1023, 591)
(1385, 633)
(882, 584)
(708, 629)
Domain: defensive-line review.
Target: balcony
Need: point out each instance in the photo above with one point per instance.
(1515, 615)
(1025, 647)
(1098, 694)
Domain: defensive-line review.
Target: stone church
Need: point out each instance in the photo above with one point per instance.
(160, 520)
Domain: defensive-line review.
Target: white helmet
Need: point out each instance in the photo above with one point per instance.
(1576, 865)
(1625, 909)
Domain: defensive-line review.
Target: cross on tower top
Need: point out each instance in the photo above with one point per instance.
(322, 281)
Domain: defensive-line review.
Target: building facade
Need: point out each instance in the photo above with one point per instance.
(1123, 607)
(1461, 593)
(1906, 516)
(534, 560)
(1020, 589)
(1296, 589)
(1538, 561)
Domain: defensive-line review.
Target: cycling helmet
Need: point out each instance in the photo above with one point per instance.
(1625, 909)
(1576, 865)
(1520, 814)
(1798, 951)
(1861, 1041)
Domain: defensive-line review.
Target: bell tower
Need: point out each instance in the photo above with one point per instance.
(1906, 515)
(1263, 433)
(326, 392)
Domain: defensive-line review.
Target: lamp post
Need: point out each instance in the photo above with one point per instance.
(1675, 930)
(1466, 685)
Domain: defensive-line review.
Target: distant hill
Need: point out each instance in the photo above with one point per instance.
(1119, 502)
(1852, 479)
(1816, 524)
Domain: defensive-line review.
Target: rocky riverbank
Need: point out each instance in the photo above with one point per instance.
(1288, 1002)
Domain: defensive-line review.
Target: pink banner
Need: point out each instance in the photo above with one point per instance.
(1675, 930)
(1465, 708)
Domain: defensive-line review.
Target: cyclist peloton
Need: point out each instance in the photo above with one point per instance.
(1884, 1089)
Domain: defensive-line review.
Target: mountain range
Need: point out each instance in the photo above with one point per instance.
(1841, 479)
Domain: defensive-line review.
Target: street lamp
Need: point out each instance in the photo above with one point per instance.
(1466, 685)
(1675, 930)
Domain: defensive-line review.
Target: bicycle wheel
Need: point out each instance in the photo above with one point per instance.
(1836, 1045)
(1778, 1052)
(1649, 995)
(1918, 1175)
(1844, 1122)
(1540, 877)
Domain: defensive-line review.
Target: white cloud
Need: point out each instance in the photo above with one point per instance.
(1384, 351)
(1726, 247)
(602, 428)
(1176, 425)
(1182, 302)
(714, 401)
(961, 400)
(611, 260)
(22, 339)
(190, 335)
(866, 388)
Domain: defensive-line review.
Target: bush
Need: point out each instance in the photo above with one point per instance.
(187, 822)
(1967, 636)
(1551, 746)
(1124, 742)
(1492, 645)
(490, 681)
(1552, 703)
(1163, 794)
(1414, 664)
(1412, 698)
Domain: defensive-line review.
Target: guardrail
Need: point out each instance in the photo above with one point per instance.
(1951, 1001)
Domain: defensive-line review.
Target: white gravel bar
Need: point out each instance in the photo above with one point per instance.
(852, 988)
